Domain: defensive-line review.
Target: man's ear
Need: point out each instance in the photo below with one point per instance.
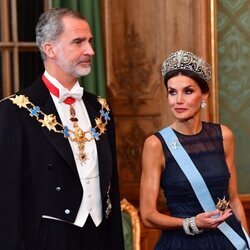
(49, 50)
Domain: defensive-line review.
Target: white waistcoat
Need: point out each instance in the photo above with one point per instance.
(89, 170)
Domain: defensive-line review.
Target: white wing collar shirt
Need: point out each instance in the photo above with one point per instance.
(89, 170)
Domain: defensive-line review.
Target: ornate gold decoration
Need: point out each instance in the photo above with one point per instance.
(21, 101)
(48, 121)
(76, 135)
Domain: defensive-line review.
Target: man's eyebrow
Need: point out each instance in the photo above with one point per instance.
(83, 39)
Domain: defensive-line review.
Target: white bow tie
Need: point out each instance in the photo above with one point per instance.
(75, 93)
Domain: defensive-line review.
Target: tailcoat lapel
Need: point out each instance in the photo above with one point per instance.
(60, 143)
(40, 96)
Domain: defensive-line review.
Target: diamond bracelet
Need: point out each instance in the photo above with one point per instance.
(190, 227)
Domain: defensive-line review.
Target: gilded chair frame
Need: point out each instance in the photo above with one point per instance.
(133, 213)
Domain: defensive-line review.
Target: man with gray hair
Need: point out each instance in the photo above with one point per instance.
(59, 180)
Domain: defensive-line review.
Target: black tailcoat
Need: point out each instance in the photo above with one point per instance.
(34, 161)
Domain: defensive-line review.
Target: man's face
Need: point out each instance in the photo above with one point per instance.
(73, 47)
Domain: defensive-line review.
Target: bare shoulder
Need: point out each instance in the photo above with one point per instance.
(153, 151)
(227, 133)
(153, 143)
(153, 155)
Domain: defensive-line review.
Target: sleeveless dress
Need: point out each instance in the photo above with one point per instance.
(206, 151)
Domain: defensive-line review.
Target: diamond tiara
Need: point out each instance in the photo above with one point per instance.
(184, 60)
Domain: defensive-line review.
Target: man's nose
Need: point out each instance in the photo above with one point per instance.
(89, 50)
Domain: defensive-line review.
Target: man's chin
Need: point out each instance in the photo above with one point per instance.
(84, 71)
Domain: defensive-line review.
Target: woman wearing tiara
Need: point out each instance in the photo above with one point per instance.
(193, 162)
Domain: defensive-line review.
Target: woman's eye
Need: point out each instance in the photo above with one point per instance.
(172, 92)
(188, 91)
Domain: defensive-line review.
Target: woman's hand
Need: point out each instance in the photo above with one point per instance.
(212, 219)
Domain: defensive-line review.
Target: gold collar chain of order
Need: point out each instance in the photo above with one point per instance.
(76, 135)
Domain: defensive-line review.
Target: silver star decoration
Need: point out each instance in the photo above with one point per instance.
(174, 144)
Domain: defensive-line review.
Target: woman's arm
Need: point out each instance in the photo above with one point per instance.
(153, 162)
(235, 203)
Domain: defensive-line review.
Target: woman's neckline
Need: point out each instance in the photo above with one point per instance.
(188, 135)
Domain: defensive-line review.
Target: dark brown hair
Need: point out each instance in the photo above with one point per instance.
(201, 82)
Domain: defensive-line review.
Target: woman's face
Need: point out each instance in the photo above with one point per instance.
(184, 97)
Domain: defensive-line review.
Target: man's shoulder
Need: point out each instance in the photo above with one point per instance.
(32, 92)
(89, 96)
(93, 99)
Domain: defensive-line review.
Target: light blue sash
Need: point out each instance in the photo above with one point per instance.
(198, 184)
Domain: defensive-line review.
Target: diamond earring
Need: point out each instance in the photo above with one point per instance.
(203, 104)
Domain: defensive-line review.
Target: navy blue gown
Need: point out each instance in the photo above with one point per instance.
(207, 153)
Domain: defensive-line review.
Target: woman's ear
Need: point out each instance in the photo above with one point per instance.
(205, 96)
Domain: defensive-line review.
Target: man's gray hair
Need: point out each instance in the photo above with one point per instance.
(50, 26)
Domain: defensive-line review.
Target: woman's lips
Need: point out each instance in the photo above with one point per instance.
(180, 110)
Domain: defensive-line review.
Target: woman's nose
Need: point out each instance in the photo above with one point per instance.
(179, 98)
